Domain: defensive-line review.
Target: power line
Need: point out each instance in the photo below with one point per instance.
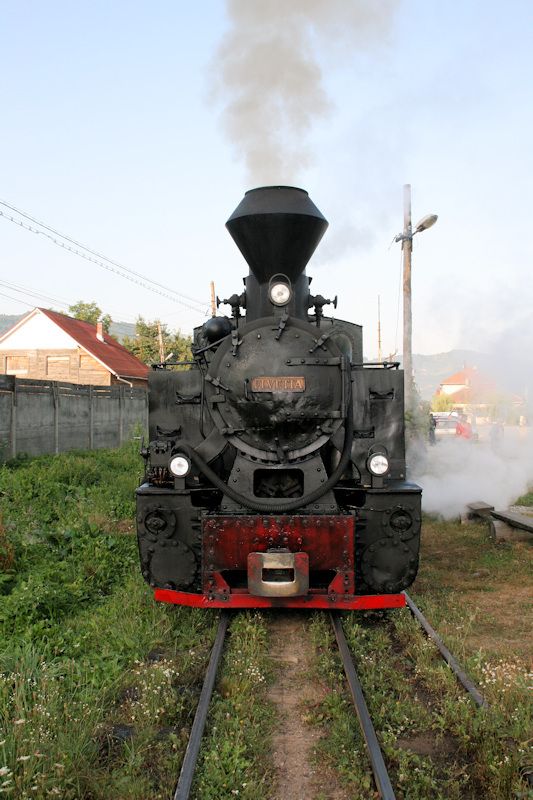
(96, 253)
(32, 293)
(96, 258)
(120, 317)
(17, 300)
(107, 267)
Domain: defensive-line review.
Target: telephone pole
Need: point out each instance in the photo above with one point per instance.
(213, 300)
(161, 345)
(406, 238)
(407, 247)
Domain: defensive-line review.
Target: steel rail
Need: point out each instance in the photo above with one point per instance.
(454, 665)
(379, 769)
(195, 739)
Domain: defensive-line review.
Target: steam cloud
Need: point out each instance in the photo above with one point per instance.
(269, 79)
(457, 472)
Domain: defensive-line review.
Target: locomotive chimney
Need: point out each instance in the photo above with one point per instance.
(277, 229)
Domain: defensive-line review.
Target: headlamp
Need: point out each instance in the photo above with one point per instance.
(378, 464)
(279, 293)
(180, 466)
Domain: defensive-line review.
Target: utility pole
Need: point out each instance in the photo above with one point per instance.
(161, 345)
(379, 328)
(406, 238)
(407, 247)
(213, 301)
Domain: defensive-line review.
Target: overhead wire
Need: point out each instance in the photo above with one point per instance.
(31, 292)
(100, 260)
(16, 299)
(95, 252)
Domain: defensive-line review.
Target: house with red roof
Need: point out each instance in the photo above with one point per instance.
(47, 345)
(467, 386)
(471, 391)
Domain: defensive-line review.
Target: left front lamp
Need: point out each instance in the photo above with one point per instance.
(180, 466)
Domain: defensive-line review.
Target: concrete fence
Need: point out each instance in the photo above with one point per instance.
(51, 417)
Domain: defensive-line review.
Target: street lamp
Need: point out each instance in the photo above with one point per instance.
(425, 223)
(406, 238)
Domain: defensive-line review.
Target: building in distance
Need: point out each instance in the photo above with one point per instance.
(47, 345)
(472, 392)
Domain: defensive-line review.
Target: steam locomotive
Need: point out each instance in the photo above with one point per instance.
(275, 474)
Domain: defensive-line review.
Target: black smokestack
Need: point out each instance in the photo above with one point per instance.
(277, 229)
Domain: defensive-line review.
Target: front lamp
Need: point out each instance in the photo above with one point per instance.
(378, 464)
(279, 293)
(180, 466)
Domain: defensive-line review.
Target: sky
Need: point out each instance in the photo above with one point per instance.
(113, 132)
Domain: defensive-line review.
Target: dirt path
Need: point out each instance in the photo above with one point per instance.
(295, 694)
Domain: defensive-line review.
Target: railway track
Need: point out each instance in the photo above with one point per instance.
(452, 662)
(188, 766)
(379, 769)
(381, 776)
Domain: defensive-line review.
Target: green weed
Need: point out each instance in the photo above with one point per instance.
(78, 626)
(525, 499)
(436, 742)
(236, 758)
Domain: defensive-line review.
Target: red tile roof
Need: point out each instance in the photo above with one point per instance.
(473, 387)
(110, 353)
(460, 378)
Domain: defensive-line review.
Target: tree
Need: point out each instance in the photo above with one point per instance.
(441, 402)
(90, 312)
(145, 343)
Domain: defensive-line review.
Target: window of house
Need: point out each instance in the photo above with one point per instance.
(17, 365)
(57, 367)
(88, 362)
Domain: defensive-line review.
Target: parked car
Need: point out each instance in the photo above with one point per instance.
(446, 427)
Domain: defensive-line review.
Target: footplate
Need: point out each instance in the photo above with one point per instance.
(278, 574)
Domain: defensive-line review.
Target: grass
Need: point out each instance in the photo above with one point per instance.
(97, 683)
(236, 753)
(477, 592)
(525, 499)
(435, 741)
(64, 709)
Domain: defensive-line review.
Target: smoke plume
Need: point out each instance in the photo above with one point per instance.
(457, 472)
(269, 80)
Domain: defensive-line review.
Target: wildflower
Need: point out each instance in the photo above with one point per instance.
(19, 722)
(23, 758)
(4, 771)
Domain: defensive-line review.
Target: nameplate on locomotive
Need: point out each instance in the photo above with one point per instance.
(267, 383)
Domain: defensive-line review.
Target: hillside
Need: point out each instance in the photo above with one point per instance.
(430, 370)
